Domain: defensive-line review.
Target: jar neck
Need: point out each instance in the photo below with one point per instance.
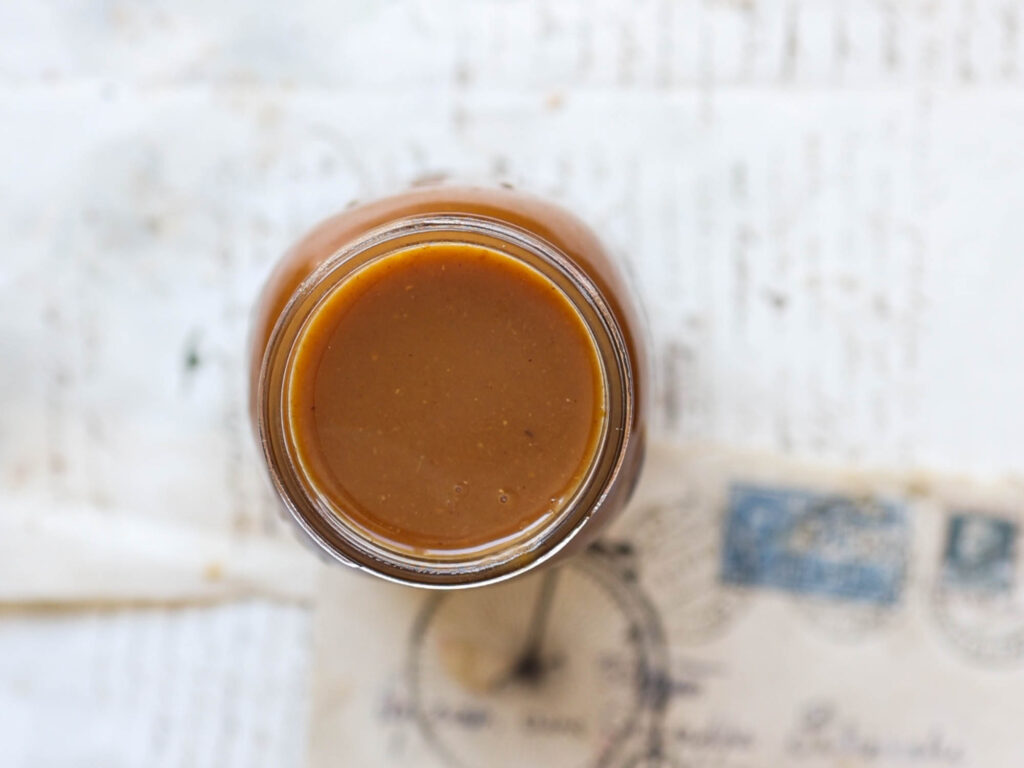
(314, 511)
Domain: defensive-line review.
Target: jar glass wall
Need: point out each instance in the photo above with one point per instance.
(449, 385)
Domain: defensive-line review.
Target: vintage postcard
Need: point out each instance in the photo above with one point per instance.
(746, 612)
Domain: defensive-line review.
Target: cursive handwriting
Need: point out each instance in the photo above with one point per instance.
(716, 736)
(822, 731)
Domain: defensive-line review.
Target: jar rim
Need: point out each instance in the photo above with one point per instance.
(327, 527)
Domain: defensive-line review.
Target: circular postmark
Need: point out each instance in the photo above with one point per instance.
(847, 623)
(984, 628)
(565, 667)
(677, 543)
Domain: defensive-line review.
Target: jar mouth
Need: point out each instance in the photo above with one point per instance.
(324, 518)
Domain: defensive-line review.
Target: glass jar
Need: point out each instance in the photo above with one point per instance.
(519, 231)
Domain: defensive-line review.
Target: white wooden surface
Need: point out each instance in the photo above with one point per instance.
(820, 202)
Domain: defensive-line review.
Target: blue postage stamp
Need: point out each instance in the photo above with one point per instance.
(979, 553)
(815, 543)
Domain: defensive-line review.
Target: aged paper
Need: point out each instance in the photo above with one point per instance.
(819, 200)
(746, 612)
(814, 199)
(197, 687)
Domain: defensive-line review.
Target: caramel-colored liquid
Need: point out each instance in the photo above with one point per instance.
(445, 397)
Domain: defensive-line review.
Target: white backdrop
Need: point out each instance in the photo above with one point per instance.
(820, 202)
